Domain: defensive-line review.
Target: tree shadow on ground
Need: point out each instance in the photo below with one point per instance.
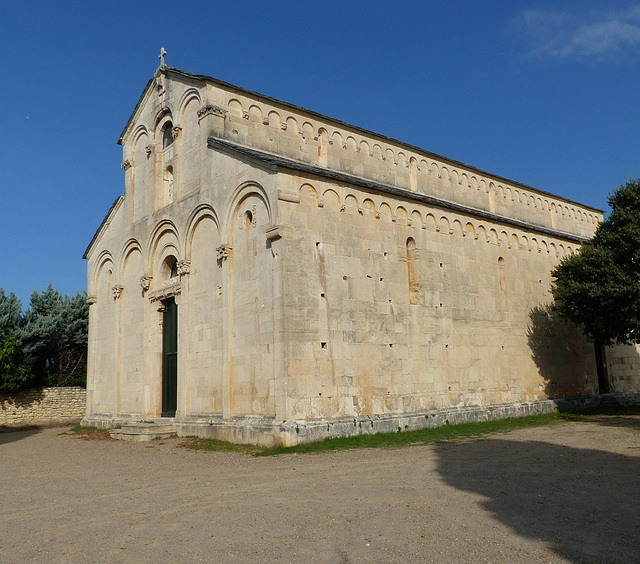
(12, 434)
(628, 417)
(564, 357)
(583, 503)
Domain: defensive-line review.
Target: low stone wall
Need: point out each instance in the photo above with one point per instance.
(43, 407)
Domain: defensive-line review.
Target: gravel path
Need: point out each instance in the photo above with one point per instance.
(567, 492)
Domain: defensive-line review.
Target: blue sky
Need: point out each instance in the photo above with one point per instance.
(545, 93)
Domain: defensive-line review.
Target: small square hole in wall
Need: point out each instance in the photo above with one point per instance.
(391, 345)
(440, 265)
(323, 345)
(317, 243)
(322, 295)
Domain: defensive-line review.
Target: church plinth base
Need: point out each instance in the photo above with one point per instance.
(265, 431)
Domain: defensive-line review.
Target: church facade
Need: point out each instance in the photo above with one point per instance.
(272, 275)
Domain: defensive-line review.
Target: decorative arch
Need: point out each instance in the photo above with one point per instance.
(308, 131)
(163, 236)
(274, 119)
(189, 95)
(369, 207)
(255, 113)
(385, 211)
(104, 258)
(242, 192)
(197, 215)
(331, 199)
(351, 204)
(308, 195)
(129, 246)
(401, 215)
(235, 107)
(470, 230)
(139, 132)
(292, 125)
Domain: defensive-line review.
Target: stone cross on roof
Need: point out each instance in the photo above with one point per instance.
(161, 56)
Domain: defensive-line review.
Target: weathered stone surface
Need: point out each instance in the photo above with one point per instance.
(45, 406)
(322, 273)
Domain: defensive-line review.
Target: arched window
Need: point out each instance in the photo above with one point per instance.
(169, 268)
(412, 268)
(167, 135)
(167, 196)
(501, 276)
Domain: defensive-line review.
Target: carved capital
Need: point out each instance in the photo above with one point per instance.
(145, 283)
(210, 110)
(149, 149)
(184, 267)
(283, 126)
(222, 252)
(92, 299)
(126, 165)
(116, 291)
(245, 115)
(177, 130)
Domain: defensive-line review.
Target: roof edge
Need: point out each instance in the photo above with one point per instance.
(214, 142)
(105, 221)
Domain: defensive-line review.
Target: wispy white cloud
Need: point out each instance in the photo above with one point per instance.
(596, 35)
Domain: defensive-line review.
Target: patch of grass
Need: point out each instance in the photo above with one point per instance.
(197, 443)
(419, 437)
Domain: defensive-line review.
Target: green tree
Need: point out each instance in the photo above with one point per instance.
(10, 312)
(54, 334)
(15, 365)
(598, 288)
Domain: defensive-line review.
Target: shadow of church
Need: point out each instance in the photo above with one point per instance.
(583, 503)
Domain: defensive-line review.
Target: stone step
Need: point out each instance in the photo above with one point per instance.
(143, 432)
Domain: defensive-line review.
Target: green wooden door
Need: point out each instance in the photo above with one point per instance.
(170, 359)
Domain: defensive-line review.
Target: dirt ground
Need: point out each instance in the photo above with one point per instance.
(568, 492)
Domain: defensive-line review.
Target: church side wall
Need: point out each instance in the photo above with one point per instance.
(294, 133)
(400, 308)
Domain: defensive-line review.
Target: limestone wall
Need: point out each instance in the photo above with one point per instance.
(45, 406)
(623, 363)
(399, 309)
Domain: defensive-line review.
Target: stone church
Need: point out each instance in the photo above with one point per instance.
(272, 275)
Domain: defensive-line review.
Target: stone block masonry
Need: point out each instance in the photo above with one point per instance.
(43, 407)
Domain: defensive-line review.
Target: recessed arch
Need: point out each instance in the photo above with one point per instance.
(188, 96)
(242, 192)
(198, 214)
